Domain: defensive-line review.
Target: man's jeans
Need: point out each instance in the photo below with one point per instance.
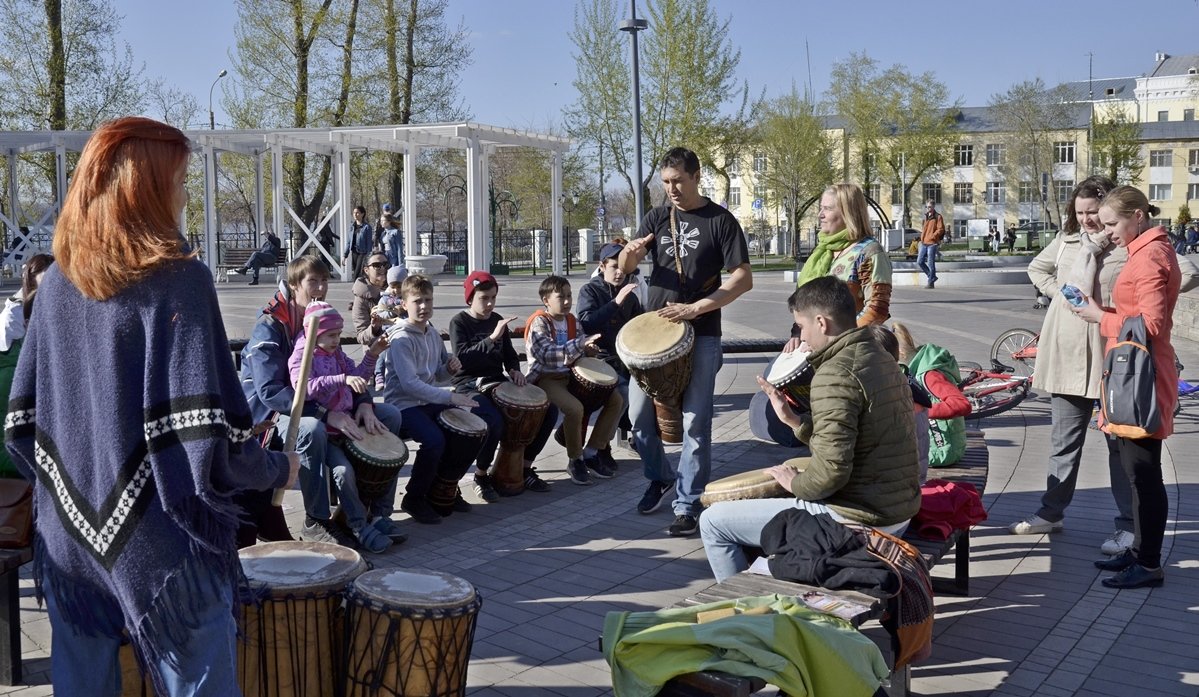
(695, 462)
(926, 259)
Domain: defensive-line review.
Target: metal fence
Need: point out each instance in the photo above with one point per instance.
(515, 249)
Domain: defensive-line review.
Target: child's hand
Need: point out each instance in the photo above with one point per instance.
(380, 345)
(453, 365)
(501, 328)
(463, 400)
(356, 383)
(625, 292)
(589, 346)
(517, 378)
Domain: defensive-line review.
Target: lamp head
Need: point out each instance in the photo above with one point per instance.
(223, 73)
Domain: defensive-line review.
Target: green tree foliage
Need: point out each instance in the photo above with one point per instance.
(1032, 118)
(1116, 148)
(688, 74)
(790, 131)
(900, 127)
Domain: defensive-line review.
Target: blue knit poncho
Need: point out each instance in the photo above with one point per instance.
(129, 417)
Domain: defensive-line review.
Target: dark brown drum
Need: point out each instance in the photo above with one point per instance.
(523, 409)
(377, 459)
(464, 434)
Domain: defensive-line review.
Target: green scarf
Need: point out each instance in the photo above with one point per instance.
(821, 259)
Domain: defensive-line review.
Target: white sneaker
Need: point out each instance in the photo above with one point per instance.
(1034, 525)
(1119, 541)
(233, 272)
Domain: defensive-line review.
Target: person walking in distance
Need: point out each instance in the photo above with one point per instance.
(691, 241)
(930, 241)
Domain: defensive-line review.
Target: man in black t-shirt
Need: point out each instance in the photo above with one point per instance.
(691, 241)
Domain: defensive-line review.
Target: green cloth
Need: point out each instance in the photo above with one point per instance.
(946, 437)
(801, 651)
(8, 366)
(821, 260)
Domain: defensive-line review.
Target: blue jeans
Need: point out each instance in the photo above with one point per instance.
(420, 424)
(84, 662)
(258, 260)
(926, 259)
(311, 445)
(347, 485)
(695, 462)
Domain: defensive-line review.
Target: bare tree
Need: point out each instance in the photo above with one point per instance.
(1116, 149)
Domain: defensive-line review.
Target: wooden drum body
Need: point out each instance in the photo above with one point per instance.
(377, 459)
(792, 375)
(756, 484)
(410, 633)
(591, 382)
(523, 409)
(464, 434)
(658, 355)
(293, 631)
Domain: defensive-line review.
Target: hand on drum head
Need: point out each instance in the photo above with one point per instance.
(782, 407)
(678, 312)
(356, 383)
(453, 365)
(517, 378)
(783, 475)
(463, 400)
(344, 423)
(365, 416)
(293, 472)
(589, 346)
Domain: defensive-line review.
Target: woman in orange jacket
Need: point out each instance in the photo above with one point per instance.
(1148, 286)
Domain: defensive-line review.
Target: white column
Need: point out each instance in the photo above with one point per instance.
(586, 242)
(210, 216)
(277, 194)
(485, 188)
(475, 218)
(260, 194)
(411, 154)
(60, 173)
(539, 248)
(342, 215)
(556, 210)
(14, 200)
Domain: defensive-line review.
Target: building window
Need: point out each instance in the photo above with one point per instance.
(731, 165)
(1159, 192)
(963, 155)
(932, 192)
(1163, 116)
(734, 196)
(1193, 158)
(1063, 187)
(963, 193)
(1027, 192)
(760, 192)
(759, 162)
(1161, 158)
(1063, 152)
(995, 152)
(895, 194)
(995, 192)
(1188, 114)
(1192, 191)
(874, 191)
(959, 228)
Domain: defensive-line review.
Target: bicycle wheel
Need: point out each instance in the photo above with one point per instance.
(986, 401)
(1011, 342)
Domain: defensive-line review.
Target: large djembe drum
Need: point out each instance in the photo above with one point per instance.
(464, 434)
(377, 459)
(658, 355)
(292, 630)
(523, 408)
(409, 633)
(756, 484)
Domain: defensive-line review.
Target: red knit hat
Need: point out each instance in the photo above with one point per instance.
(330, 320)
(474, 279)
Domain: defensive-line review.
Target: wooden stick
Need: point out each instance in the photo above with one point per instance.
(297, 402)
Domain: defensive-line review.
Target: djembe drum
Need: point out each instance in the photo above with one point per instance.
(523, 409)
(409, 633)
(792, 375)
(749, 485)
(377, 459)
(464, 434)
(658, 355)
(292, 629)
(591, 382)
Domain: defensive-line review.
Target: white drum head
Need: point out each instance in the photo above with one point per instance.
(415, 588)
(649, 334)
(462, 421)
(300, 566)
(786, 367)
(595, 371)
(528, 396)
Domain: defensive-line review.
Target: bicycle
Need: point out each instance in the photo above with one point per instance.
(992, 392)
(1017, 348)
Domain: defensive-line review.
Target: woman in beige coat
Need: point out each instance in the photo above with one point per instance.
(1070, 358)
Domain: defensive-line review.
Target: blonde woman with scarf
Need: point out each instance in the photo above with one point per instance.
(845, 250)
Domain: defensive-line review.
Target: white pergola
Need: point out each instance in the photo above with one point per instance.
(268, 147)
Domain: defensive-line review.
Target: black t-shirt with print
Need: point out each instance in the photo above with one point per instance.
(710, 242)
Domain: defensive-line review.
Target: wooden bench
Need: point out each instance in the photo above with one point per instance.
(972, 469)
(236, 258)
(11, 561)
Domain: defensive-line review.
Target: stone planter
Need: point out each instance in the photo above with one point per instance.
(428, 265)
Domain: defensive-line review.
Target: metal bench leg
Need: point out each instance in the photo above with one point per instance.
(961, 563)
(10, 629)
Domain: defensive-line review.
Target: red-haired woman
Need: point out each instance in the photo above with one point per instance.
(126, 411)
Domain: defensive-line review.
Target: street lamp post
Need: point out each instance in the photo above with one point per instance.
(212, 116)
(573, 200)
(499, 200)
(632, 26)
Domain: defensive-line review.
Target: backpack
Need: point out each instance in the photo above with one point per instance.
(946, 437)
(1129, 398)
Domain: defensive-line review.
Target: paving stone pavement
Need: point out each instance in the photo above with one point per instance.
(550, 566)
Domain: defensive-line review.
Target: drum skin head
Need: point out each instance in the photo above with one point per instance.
(462, 421)
(380, 447)
(284, 567)
(786, 367)
(649, 334)
(528, 396)
(414, 588)
(595, 370)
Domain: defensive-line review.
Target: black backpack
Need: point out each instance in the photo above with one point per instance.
(1129, 398)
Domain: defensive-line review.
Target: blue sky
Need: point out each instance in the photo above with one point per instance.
(522, 70)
